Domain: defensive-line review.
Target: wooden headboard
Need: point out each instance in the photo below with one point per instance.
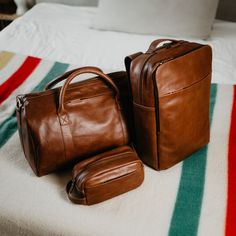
(227, 10)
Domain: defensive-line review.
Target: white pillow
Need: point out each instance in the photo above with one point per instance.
(192, 18)
(73, 2)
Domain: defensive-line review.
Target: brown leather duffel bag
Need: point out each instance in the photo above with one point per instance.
(105, 176)
(171, 93)
(65, 125)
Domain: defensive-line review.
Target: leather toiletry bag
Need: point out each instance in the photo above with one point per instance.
(171, 96)
(105, 176)
(62, 126)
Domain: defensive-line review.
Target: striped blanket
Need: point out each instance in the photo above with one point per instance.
(205, 197)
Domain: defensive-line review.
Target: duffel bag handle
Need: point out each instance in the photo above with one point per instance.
(83, 70)
(52, 83)
(153, 46)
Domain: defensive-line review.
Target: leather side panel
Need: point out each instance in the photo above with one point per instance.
(184, 71)
(26, 140)
(19, 125)
(136, 69)
(124, 150)
(184, 122)
(146, 137)
(173, 53)
(122, 82)
(114, 188)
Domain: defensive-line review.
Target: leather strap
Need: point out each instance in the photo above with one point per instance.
(153, 46)
(52, 83)
(69, 150)
(62, 114)
(128, 61)
(74, 195)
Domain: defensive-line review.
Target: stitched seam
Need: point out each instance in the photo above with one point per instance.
(185, 88)
(82, 182)
(50, 92)
(112, 180)
(64, 146)
(126, 164)
(71, 100)
(102, 159)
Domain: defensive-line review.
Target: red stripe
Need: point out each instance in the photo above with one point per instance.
(230, 229)
(16, 79)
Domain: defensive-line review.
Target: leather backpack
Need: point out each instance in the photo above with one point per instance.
(171, 94)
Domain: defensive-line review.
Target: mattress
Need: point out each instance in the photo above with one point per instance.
(195, 197)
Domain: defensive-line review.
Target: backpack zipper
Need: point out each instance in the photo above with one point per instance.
(167, 46)
(159, 64)
(156, 90)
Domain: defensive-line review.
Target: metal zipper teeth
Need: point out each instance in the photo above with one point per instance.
(143, 71)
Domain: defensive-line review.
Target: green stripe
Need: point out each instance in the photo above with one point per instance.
(9, 126)
(186, 215)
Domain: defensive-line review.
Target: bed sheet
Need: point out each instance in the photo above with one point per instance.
(188, 199)
(63, 33)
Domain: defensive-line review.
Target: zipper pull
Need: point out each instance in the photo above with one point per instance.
(167, 45)
(161, 63)
(166, 60)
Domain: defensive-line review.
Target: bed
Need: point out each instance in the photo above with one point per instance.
(195, 197)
